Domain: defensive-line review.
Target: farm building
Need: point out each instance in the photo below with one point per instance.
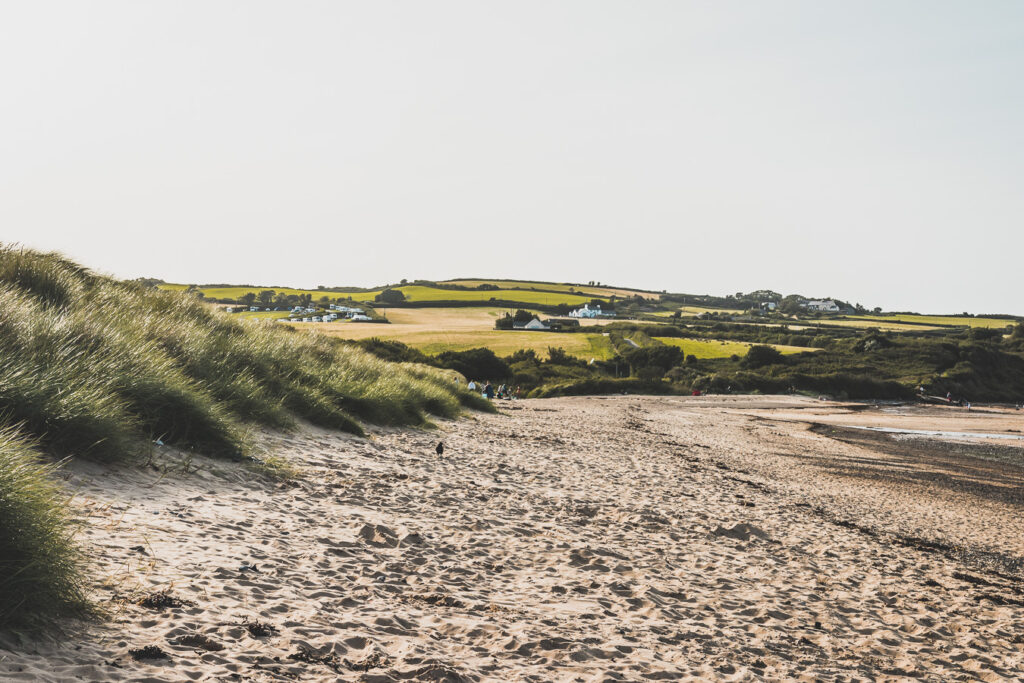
(534, 324)
(588, 312)
(826, 306)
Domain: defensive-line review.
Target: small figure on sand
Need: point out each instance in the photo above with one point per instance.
(488, 390)
(440, 448)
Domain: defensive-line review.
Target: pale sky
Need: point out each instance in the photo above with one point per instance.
(870, 151)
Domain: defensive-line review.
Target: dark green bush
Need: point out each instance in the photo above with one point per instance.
(478, 364)
(760, 356)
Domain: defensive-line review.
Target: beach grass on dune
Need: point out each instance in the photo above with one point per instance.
(93, 367)
(40, 569)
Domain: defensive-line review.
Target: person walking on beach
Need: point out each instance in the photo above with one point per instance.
(488, 390)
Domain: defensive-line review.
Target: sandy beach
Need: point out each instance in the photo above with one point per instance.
(579, 539)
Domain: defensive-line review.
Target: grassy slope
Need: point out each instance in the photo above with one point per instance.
(93, 367)
(40, 570)
(587, 290)
(412, 293)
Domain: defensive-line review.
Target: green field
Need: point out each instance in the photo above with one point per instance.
(587, 290)
(710, 348)
(697, 310)
(501, 342)
(412, 293)
(505, 343)
(937, 320)
(422, 293)
(861, 324)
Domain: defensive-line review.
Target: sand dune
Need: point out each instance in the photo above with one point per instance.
(584, 539)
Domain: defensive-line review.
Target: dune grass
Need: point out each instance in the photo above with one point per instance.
(40, 569)
(93, 367)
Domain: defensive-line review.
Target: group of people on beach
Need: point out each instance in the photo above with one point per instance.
(487, 390)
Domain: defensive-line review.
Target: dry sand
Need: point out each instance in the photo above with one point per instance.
(586, 539)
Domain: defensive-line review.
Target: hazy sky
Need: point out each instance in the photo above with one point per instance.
(871, 151)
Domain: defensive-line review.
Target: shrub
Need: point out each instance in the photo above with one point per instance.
(390, 296)
(873, 341)
(479, 364)
(759, 356)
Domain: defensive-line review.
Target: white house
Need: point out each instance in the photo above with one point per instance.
(534, 324)
(588, 312)
(360, 318)
(826, 306)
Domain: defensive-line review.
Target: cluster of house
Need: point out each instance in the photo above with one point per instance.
(826, 306)
(588, 312)
(337, 311)
(819, 305)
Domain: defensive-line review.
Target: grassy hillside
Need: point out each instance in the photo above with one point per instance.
(96, 368)
(587, 290)
(413, 293)
(937, 320)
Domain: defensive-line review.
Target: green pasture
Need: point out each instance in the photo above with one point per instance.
(937, 320)
(697, 310)
(412, 293)
(713, 348)
(505, 343)
(423, 293)
(586, 290)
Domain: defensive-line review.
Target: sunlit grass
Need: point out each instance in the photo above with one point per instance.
(412, 293)
(711, 348)
(40, 569)
(935, 320)
(96, 368)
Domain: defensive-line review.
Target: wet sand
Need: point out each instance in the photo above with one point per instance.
(578, 539)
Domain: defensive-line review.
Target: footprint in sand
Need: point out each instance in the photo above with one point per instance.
(379, 536)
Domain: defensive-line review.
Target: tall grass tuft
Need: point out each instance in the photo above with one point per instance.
(40, 570)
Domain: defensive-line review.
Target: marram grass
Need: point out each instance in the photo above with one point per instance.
(40, 575)
(93, 367)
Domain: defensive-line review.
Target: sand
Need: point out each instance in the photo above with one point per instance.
(581, 539)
